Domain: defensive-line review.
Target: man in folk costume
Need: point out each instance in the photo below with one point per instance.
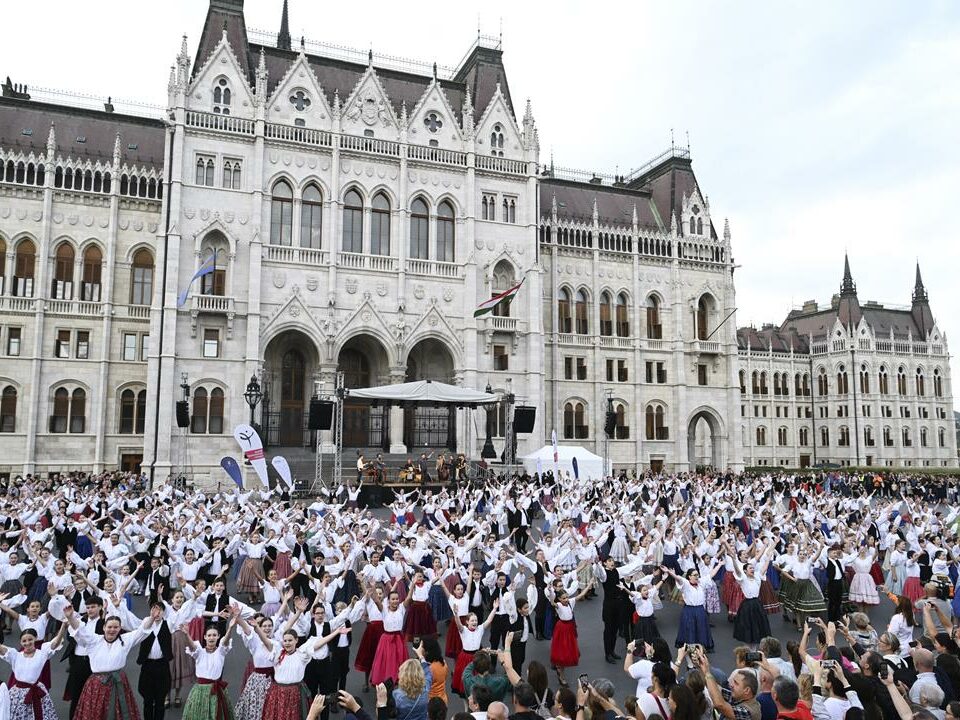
(156, 578)
(153, 657)
(320, 676)
(219, 565)
(834, 585)
(78, 667)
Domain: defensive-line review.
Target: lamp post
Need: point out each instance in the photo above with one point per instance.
(253, 395)
(488, 452)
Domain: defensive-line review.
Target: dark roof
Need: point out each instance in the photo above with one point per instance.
(817, 323)
(770, 337)
(224, 15)
(668, 182)
(97, 128)
(614, 205)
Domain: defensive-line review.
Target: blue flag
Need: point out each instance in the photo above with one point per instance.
(576, 470)
(232, 468)
(208, 266)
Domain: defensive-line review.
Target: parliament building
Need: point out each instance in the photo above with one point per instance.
(356, 210)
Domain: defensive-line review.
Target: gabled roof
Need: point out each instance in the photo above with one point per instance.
(141, 139)
(769, 338)
(614, 205)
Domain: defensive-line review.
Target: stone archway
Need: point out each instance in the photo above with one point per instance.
(430, 428)
(705, 439)
(290, 362)
(364, 363)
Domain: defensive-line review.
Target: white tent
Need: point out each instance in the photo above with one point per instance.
(425, 392)
(589, 465)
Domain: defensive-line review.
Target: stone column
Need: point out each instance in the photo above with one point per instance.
(398, 374)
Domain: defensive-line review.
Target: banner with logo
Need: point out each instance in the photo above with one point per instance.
(232, 468)
(252, 448)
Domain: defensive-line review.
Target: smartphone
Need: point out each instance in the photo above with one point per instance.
(827, 664)
(884, 671)
(811, 621)
(584, 680)
(753, 656)
(913, 643)
(416, 643)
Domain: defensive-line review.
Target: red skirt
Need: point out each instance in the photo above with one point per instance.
(286, 702)
(282, 565)
(463, 659)
(913, 589)
(195, 629)
(419, 621)
(401, 590)
(735, 598)
(368, 646)
(876, 572)
(98, 693)
(391, 652)
(727, 586)
(454, 646)
(564, 651)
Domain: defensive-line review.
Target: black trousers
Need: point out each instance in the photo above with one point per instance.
(153, 686)
(498, 630)
(76, 678)
(834, 600)
(341, 665)
(521, 537)
(540, 615)
(518, 654)
(320, 677)
(611, 629)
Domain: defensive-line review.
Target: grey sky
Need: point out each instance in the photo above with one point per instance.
(816, 127)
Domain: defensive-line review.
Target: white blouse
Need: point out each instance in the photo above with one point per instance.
(421, 593)
(692, 594)
(470, 639)
(106, 656)
(27, 669)
(260, 655)
(209, 664)
(393, 621)
(289, 669)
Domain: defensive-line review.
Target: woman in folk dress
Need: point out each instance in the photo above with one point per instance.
(370, 641)
(391, 650)
(863, 588)
(564, 650)
(29, 696)
(179, 612)
(471, 635)
(208, 699)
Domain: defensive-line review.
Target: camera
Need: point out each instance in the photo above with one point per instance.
(331, 700)
(584, 680)
(753, 656)
(827, 664)
(416, 643)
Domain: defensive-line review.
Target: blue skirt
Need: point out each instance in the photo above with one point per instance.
(773, 575)
(694, 627)
(820, 577)
(437, 600)
(670, 561)
(548, 620)
(83, 547)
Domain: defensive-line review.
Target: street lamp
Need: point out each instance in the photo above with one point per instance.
(488, 452)
(253, 395)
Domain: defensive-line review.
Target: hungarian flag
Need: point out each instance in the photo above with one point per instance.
(506, 296)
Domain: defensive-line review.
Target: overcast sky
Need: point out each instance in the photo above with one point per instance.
(816, 127)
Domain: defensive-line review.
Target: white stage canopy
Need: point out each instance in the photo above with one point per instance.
(588, 464)
(423, 392)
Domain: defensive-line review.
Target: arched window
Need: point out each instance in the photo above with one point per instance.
(743, 382)
(824, 437)
(781, 436)
(868, 438)
(887, 437)
(141, 278)
(215, 423)
(822, 385)
(755, 382)
(78, 411)
(446, 231)
(221, 96)
(574, 421)
(503, 279)
(703, 315)
(622, 431)
(923, 437)
(883, 381)
(763, 384)
(580, 307)
(419, 230)
(8, 410)
(380, 225)
(281, 214)
(920, 383)
(623, 322)
(844, 439)
(656, 428)
(92, 270)
(941, 437)
(62, 285)
(776, 383)
(231, 174)
(937, 378)
(901, 381)
(797, 385)
(133, 412)
(804, 437)
(565, 317)
(61, 410)
(311, 217)
(198, 421)
(352, 222)
(496, 140)
(215, 283)
(606, 322)
(864, 380)
(761, 435)
(905, 432)
(654, 328)
(843, 386)
(484, 208)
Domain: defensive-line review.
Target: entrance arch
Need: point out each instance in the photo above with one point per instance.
(290, 363)
(430, 428)
(705, 439)
(364, 363)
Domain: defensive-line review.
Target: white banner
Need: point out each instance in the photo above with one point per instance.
(283, 469)
(252, 448)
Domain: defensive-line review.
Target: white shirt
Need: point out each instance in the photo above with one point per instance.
(290, 670)
(106, 656)
(27, 669)
(209, 664)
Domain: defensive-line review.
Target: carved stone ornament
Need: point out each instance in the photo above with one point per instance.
(381, 289)
(351, 285)
(370, 109)
(294, 311)
(312, 283)
(447, 294)
(419, 292)
(279, 279)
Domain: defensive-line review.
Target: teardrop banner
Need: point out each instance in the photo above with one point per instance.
(252, 448)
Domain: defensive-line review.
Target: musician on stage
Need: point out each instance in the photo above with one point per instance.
(424, 465)
(380, 469)
(461, 467)
(407, 471)
(361, 466)
(443, 469)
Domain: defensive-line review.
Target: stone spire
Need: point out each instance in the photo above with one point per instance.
(172, 82)
(262, 79)
(283, 37)
(919, 291)
(467, 113)
(596, 212)
(553, 205)
(633, 219)
(726, 230)
(183, 64)
(116, 151)
(848, 286)
(52, 148)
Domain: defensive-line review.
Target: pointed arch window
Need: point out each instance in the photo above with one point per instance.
(446, 232)
(496, 140)
(864, 380)
(883, 381)
(622, 320)
(743, 382)
(8, 410)
(311, 217)
(606, 322)
(580, 311)
(656, 428)
(78, 411)
(843, 386)
(654, 328)
(133, 407)
(62, 284)
(352, 222)
(281, 214)
(380, 225)
(141, 278)
(221, 96)
(25, 261)
(92, 273)
(419, 230)
(574, 421)
(937, 380)
(198, 421)
(703, 315)
(231, 174)
(919, 382)
(564, 307)
(622, 431)
(901, 381)
(822, 385)
(761, 435)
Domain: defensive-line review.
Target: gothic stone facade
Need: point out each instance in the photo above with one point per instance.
(357, 214)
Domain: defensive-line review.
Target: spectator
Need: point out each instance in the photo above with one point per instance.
(770, 647)
(839, 697)
(479, 701)
(786, 695)
(481, 671)
(862, 632)
(524, 700)
(412, 692)
(698, 686)
(868, 682)
(947, 660)
(536, 677)
(438, 669)
(768, 708)
(566, 704)
(930, 698)
(739, 702)
(497, 711)
(901, 624)
(953, 711)
(436, 709)
(682, 703)
(935, 611)
(663, 678)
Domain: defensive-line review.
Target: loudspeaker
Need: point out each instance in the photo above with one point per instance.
(321, 415)
(610, 423)
(183, 414)
(524, 418)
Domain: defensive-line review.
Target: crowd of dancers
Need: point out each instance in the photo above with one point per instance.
(439, 588)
